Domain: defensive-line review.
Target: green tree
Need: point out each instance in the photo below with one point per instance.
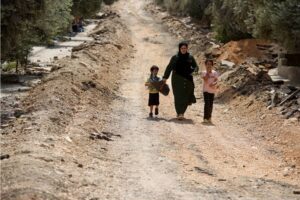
(229, 19)
(109, 2)
(55, 20)
(280, 21)
(86, 8)
(16, 27)
(25, 23)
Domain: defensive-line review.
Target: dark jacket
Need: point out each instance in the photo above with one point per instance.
(183, 65)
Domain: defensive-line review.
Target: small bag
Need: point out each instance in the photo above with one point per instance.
(162, 87)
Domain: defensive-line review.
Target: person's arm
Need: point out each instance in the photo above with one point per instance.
(195, 65)
(205, 76)
(147, 83)
(169, 68)
(215, 79)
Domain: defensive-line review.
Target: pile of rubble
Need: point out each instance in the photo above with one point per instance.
(249, 79)
(245, 66)
(287, 100)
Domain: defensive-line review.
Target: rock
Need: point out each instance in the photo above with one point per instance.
(68, 139)
(5, 115)
(274, 99)
(226, 110)
(293, 120)
(204, 171)
(18, 113)
(273, 73)
(286, 171)
(73, 56)
(262, 117)
(296, 192)
(289, 114)
(281, 108)
(80, 165)
(100, 136)
(285, 89)
(5, 156)
(55, 58)
(222, 179)
(4, 125)
(28, 128)
(270, 107)
(227, 63)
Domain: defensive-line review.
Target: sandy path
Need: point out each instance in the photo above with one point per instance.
(167, 159)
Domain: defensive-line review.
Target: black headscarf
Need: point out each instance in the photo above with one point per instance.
(183, 64)
(182, 44)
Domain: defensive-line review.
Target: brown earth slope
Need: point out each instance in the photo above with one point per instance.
(48, 146)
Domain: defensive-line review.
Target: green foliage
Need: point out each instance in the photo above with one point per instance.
(25, 23)
(109, 2)
(278, 20)
(56, 20)
(159, 2)
(15, 30)
(229, 18)
(9, 66)
(199, 8)
(86, 8)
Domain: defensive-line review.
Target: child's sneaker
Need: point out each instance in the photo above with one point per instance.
(156, 111)
(151, 115)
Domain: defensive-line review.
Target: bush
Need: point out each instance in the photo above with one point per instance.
(86, 9)
(278, 20)
(28, 23)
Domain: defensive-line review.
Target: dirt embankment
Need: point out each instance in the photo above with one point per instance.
(245, 88)
(45, 150)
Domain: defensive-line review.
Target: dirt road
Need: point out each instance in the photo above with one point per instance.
(142, 158)
(167, 159)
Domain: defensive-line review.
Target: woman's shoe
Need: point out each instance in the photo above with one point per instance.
(151, 115)
(180, 117)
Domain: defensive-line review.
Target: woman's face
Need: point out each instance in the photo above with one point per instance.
(183, 49)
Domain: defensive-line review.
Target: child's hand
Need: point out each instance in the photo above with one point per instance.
(213, 84)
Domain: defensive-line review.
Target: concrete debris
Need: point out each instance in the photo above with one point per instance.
(227, 63)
